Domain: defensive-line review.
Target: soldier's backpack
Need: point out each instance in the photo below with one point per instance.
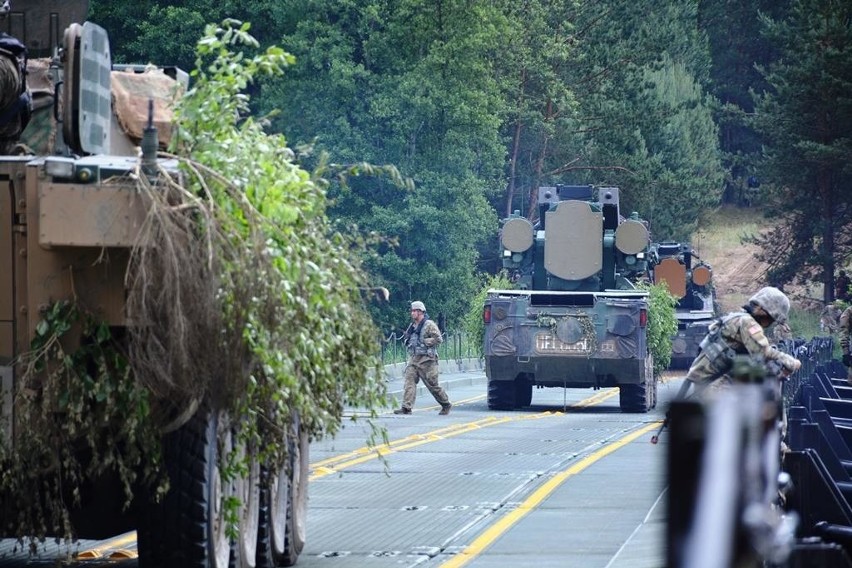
(21, 108)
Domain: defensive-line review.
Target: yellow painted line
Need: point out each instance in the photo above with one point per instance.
(334, 464)
(496, 530)
(597, 398)
(370, 450)
(108, 545)
(366, 454)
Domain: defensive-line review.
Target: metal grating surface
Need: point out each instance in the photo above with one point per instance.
(373, 491)
(437, 496)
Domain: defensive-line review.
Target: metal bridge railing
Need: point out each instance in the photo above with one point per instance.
(726, 477)
(457, 345)
(812, 354)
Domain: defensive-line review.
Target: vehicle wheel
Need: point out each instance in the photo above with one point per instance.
(283, 509)
(501, 395)
(247, 490)
(651, 381)
(187, 528)
(297, 512)
(523, 393)
(634, 397)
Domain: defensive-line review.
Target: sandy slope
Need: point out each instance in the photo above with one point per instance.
(737, 274)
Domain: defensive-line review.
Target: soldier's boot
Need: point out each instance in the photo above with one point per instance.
(402, 410)
(445, 409)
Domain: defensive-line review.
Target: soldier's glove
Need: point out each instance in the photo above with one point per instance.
(795, 366)
(847, 359)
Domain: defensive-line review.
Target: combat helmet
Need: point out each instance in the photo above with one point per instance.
(418, 305)
(773, 301)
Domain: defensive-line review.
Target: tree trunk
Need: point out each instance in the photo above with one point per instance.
(516, 145)
(539, 164)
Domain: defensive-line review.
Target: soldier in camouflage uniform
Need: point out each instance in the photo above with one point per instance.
(845, 329)
(829, 317)
(422, 339)
(741, 333)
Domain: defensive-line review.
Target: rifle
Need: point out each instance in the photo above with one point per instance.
(407, 334)
(681, 395)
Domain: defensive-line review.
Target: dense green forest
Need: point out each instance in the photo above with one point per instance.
(681, 104)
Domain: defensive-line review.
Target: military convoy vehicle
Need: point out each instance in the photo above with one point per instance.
(575, 319)
(69, 214)
(690, 280)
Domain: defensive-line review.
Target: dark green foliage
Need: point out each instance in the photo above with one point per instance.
(473, 324)
(662, 325)
(645, 121)
(410, 84)
(738, 47)
(480, 102)
(80, 414)
(806, 124)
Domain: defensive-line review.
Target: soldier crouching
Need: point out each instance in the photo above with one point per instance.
(741, 333)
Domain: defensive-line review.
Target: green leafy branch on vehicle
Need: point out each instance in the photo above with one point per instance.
(472, 323)
(273, 289)
(79, 413)
(662, 324)
(240, 295)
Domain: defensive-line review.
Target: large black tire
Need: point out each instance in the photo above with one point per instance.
(186, 529)
(523, 393)
(501, 395)
(640, 397)
(634, 397)
(283, 509)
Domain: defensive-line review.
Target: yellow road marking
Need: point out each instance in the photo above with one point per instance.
(496, 530)
(597, 398)
(336, 463)
(361, 455)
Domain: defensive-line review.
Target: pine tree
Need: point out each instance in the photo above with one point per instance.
(806, 124)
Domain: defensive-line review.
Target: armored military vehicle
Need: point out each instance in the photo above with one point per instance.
(69, 215)
(575, 318)
(690, 280)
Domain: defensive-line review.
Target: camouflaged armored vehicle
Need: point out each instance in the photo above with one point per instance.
(575, 318)
(690, 280)
(69, 215)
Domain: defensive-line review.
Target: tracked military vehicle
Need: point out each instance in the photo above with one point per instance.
(575, 318)
(69, 215)
(690, 280)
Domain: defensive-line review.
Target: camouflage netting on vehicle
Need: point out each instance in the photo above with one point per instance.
(130, 95)
(39, 135)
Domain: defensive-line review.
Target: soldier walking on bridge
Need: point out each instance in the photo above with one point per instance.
(741, 333)
(422, 339)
